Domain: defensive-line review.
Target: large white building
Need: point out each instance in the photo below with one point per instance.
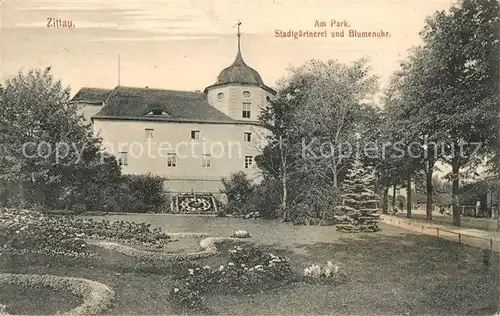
(193, 139)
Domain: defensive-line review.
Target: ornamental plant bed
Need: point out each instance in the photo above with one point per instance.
(65, 235)
(247, 270)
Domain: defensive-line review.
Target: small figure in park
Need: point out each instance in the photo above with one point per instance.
(359, 202)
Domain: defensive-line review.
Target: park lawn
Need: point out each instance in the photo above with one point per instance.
(27, 301)
(389, 272)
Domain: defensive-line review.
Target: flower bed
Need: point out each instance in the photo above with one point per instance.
(328, 274)
(34, 231)
(209, 246)
(96, 296)
(248, 270)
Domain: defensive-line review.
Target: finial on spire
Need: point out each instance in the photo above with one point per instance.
(239, 35)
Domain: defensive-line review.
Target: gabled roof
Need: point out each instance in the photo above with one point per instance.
(138, 103)
(91, 95)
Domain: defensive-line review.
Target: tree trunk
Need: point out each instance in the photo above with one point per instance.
(21, 192)
(394, 198)
(335, 177)
(429, 189)
(408, 198)
(283, 182)
(283, 202)
(385, 201)
(498, 218)
(455, 167)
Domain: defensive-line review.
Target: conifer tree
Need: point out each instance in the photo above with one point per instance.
(359, 202)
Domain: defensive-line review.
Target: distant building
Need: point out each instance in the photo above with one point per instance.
(191, 138)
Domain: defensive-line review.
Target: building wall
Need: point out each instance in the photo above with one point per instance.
(224, 142)
(89, 110)
(232, 102)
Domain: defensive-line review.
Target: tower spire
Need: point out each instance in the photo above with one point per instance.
(239, 37)
(239, 59)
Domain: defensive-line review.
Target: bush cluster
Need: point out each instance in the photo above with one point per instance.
(245, 197)
(101, 190)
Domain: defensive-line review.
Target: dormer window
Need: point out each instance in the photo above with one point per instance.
(157, 112)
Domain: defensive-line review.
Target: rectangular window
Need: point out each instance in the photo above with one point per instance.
(246, 109)
(195, 135)
(149, 132)
(171, 160)
(207, 160)
(123, 158)
(247, 137)
(248, 161)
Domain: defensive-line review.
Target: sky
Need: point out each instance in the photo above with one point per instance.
(183, 45)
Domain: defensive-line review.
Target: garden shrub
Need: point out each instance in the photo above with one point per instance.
(244, 197)
(264, 200)
(315, 206)
(238, 189)
(145, 194)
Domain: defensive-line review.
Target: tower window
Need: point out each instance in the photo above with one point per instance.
(246, 94)
(246, 110)
(248, 161)
(148, 132)
(171, 160)
(195, 135)
(207, 160)
(220, 96)
(123, 158)
(247, 137)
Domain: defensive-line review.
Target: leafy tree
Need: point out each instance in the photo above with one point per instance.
(445, 94)
(49, 155)
(333, 112)
(318, 110)
(35, 120)
(463, 104)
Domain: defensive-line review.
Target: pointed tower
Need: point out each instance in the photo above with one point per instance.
(239, 91)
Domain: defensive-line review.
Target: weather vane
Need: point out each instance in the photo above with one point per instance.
(238, 24)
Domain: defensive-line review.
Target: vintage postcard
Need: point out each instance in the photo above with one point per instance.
(268, 157)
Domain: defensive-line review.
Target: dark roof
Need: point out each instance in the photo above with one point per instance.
(92, 95)
(240, 73)
(129, 103)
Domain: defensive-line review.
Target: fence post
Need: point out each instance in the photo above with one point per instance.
(459, 238)
(422, 228)
(437, 231)
(491, 244)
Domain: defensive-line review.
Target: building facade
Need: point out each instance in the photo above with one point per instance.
(193, 139)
